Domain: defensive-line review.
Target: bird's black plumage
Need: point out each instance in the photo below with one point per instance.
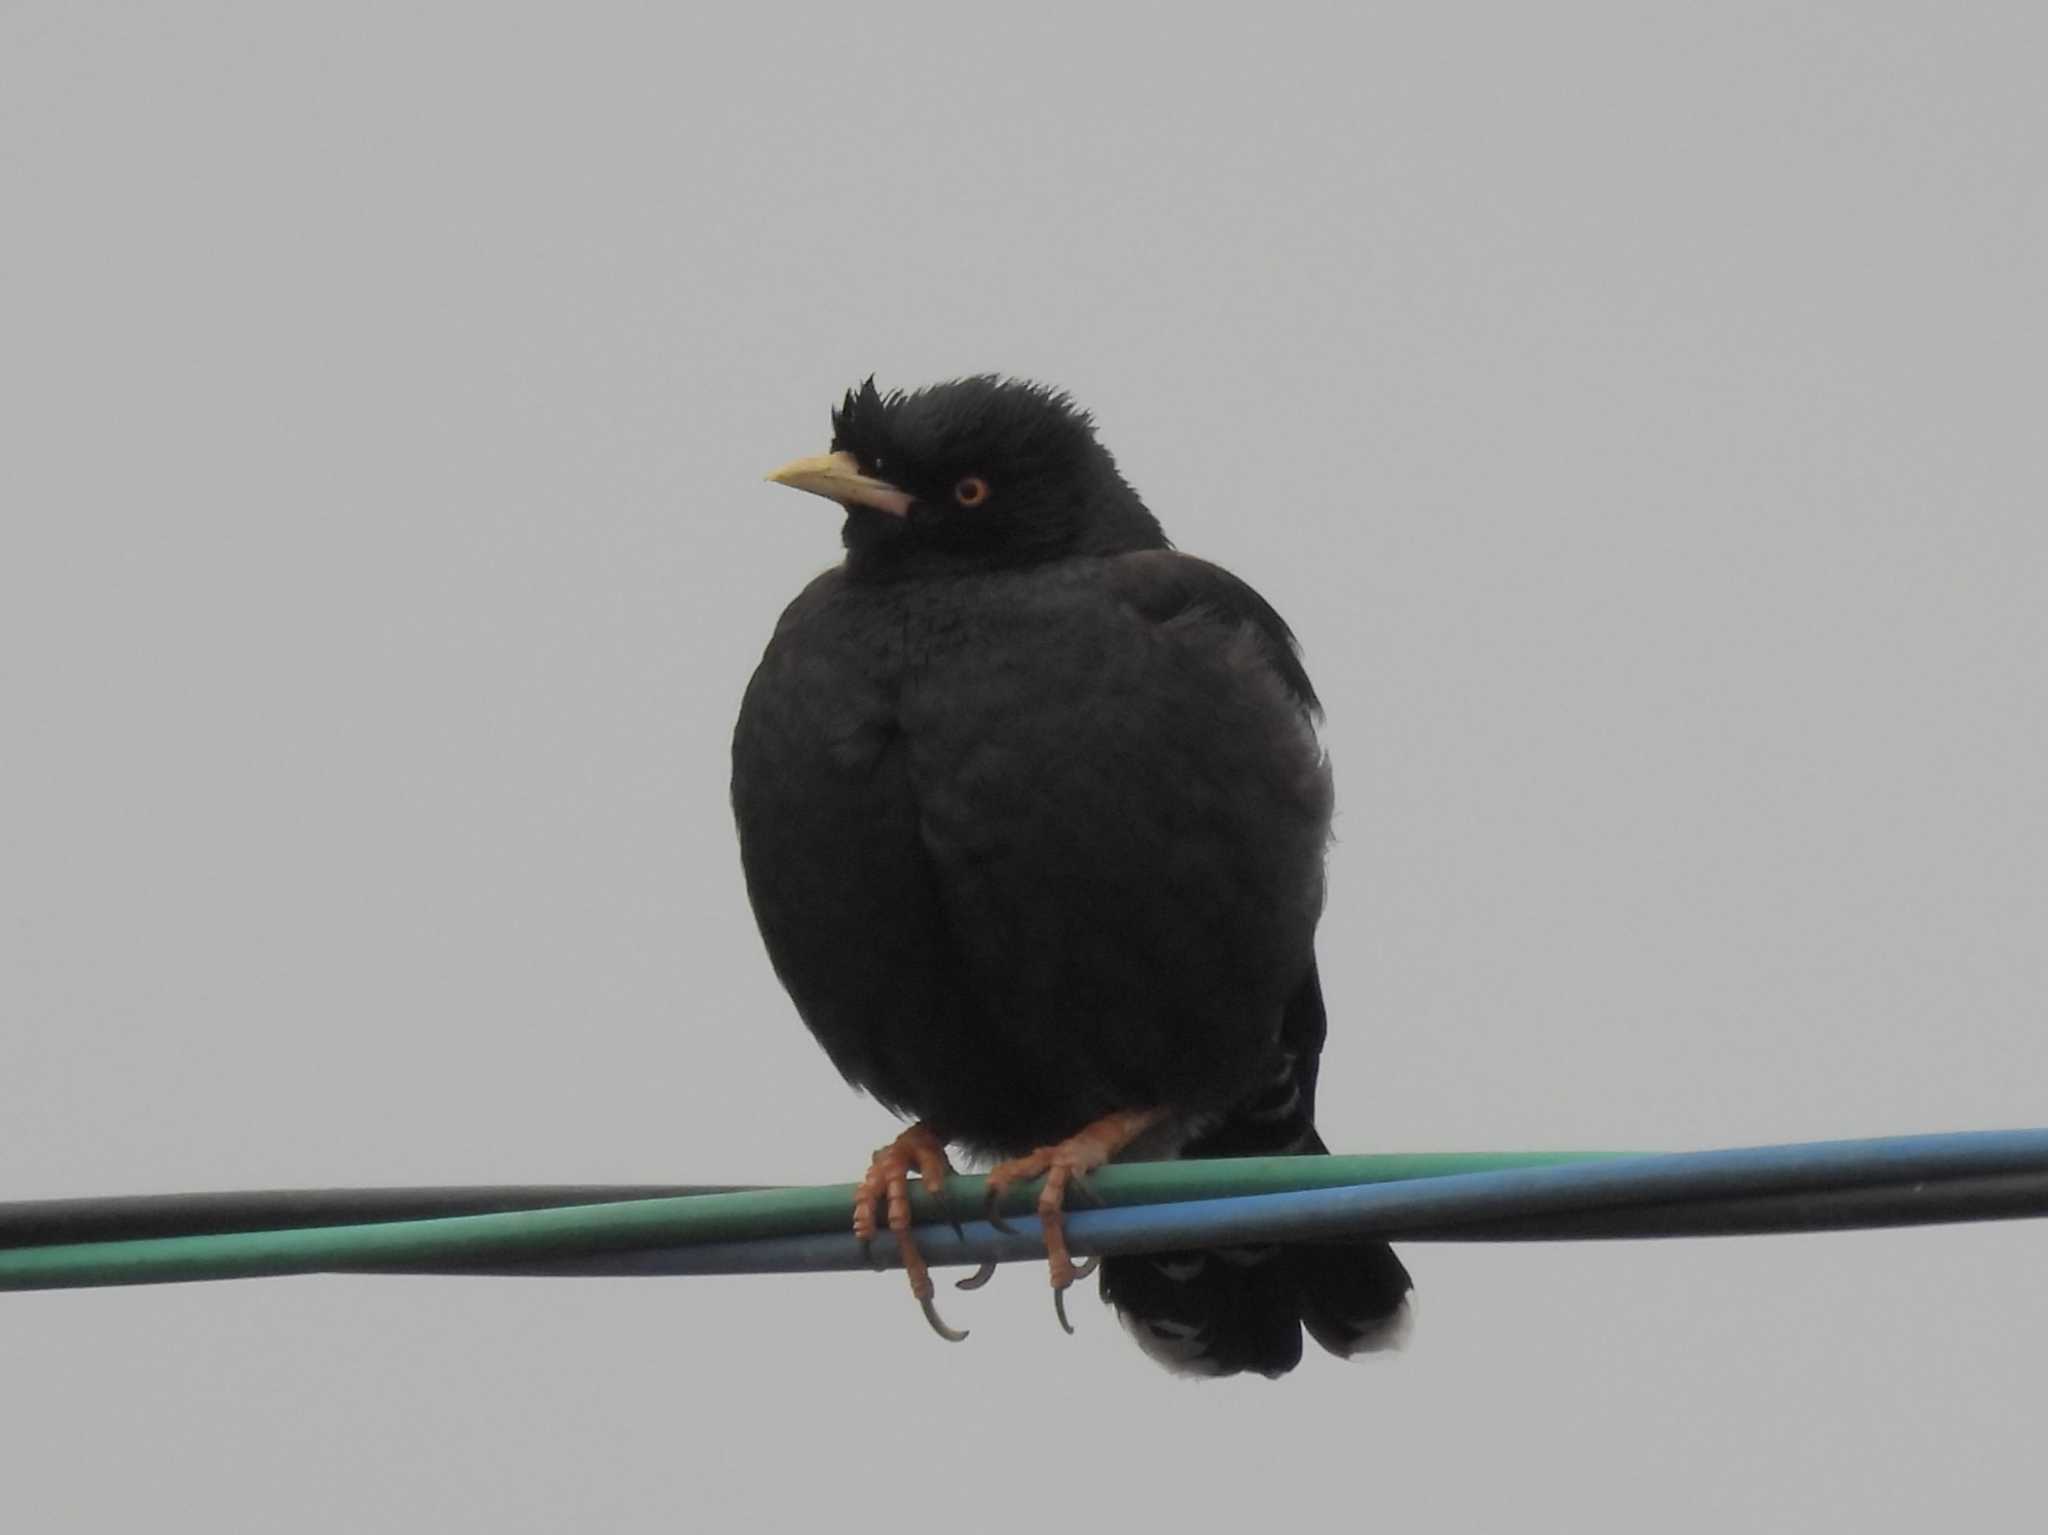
(1033, 818)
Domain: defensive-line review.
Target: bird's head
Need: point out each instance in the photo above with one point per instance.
(978, 473)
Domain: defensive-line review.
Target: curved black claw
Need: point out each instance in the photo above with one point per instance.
(1079, 1184)
(931, 1315)
(1083, 1270)
(994, 1216)
(1059, 1309)
(867, 1255)
(978, 1278)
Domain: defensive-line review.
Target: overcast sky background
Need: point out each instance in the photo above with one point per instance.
(1637, 410)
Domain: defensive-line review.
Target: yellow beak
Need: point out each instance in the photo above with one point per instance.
(837, 477)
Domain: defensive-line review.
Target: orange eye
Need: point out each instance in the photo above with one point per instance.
(971, 491)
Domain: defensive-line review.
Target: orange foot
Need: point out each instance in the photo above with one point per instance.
(887, 1185)
(1064, 1165)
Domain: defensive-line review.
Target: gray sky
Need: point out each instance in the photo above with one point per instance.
(1635, 409)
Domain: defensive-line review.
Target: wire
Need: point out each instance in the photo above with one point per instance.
(50, 1222)
(2008, 1196)
(1150, 1207)
(1839, 1185)
(467, 1242)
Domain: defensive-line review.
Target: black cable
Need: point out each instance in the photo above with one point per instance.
(51, 1222)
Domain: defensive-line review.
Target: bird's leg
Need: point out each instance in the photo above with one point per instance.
(1064, 1165)
(887, 1186)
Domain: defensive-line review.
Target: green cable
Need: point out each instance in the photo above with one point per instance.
(566, 1231)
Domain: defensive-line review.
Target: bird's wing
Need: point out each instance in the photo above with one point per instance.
(1164, 584)
(1222, 1312)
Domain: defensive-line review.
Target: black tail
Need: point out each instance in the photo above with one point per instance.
(1233, 1309)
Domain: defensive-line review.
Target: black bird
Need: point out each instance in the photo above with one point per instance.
(1033, 817)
